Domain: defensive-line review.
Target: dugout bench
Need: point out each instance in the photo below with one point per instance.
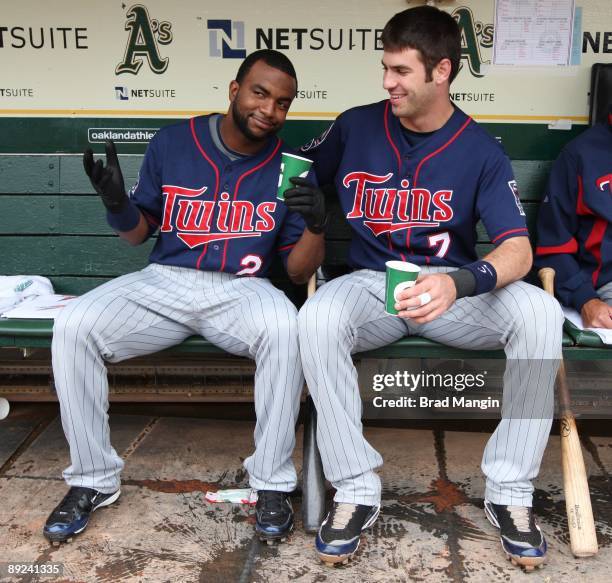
(52, 224)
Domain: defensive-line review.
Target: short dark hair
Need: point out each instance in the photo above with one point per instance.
(433, 32)
(269, 57)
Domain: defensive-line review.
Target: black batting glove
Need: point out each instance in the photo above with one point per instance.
(309, 201)
(107, 180)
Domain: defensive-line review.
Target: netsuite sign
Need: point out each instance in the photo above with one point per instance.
(227, 39)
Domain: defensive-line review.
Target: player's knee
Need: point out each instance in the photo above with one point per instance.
(73, 326)
(306, 318)
(533, 308)
(556, 311)
(322, 319)
(282, 327)
(65, 326)
(547, 312)
(538, 322)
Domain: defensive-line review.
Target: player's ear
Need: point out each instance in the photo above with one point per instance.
(442, 71)
(233, 90)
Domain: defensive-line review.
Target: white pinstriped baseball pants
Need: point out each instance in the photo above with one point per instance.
(158, 307)
(347, 315)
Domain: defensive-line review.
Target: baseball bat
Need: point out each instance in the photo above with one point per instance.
(583, 540)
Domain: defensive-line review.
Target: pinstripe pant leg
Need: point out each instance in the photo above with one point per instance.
(605, 293)
(344, 316)
(129, 316)
(527, 323)
(250, 317)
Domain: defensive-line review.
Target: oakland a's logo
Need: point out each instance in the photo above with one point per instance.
(474, 34)
(145, 34)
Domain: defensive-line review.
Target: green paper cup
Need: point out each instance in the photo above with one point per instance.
(291, 166)
(400, 275)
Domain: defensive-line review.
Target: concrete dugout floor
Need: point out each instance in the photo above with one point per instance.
(432, 527)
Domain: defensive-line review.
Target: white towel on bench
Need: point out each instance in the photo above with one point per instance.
(14, 289)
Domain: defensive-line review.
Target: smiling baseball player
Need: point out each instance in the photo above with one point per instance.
(208, 187)
(414, 174)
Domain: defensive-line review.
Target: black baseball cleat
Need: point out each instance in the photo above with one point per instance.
(521, 538)
(338, 538)
(274, 516)
(72, 514)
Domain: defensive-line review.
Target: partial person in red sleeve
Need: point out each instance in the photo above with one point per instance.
(574, 234)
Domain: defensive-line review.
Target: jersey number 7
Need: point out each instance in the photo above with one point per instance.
(442, 239)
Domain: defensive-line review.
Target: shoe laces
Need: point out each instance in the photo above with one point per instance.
(520, 517)
(342, 514)
(70, 500)
(272, 502)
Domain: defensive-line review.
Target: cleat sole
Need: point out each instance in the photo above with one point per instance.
(528, 564)
(334, 561)
(271, 540)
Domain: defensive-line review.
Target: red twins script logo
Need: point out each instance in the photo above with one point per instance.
(192, 217)
(415, 207)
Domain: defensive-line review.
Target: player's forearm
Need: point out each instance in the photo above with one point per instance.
(512, 260)
(138, 234)
(305, 257)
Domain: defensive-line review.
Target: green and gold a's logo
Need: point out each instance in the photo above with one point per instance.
(145, 35)
(474, 36)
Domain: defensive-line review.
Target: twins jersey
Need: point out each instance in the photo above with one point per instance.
(421, 202)
(574, 234)
(213, 214)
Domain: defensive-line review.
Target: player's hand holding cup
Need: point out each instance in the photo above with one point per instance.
(303, 197)
(400, 275)
(107, 180)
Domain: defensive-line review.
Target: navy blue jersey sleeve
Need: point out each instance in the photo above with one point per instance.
(292, 228)
(290, 232)
(326, 152)
(557, 225)
(146, 193)
(498, 202)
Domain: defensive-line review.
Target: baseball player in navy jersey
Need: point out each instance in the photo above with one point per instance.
(208, 187)
(414, 174)
(574, 234)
